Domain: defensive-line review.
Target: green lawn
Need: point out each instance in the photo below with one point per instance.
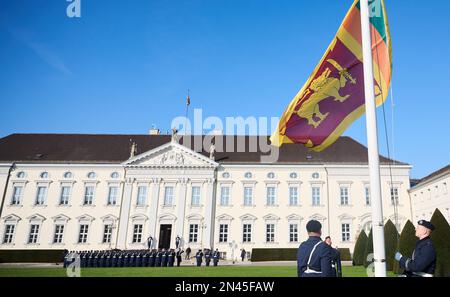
(225, 271)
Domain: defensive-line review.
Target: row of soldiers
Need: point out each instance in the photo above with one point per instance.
(128, 258)
(215, 255)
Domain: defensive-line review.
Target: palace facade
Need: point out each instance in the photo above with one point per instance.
(91, 192)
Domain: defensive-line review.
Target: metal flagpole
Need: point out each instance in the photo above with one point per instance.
(372, 143)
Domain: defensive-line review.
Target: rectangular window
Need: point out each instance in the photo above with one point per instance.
(394, 196)
(9, 233)
(247, 233)
(224, 196)
(88, 195)
(223, 233)
(59, 232)
(141, 196)
(82, 237)
(270, 196)
(193, 232)
(113, 192)
(293, 232)
(315, 196)
(137, 233)
(107, 233)
(248, 196)
(345, 232)
(270, 232)
(367, 195)
(344, 195)
(34, 233)
(293, 196)
(41, 195)
(17, 195)
(65, 195)
(195, 198)
(168, 196)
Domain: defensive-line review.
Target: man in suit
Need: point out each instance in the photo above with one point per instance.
(179, 253)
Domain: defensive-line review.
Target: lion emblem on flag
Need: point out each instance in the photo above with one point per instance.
(321, 88)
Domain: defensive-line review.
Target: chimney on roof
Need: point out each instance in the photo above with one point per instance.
(154, 131)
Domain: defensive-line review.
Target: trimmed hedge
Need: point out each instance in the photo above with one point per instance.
(391, 239)
(406, 244)
(287, 254)
(369, 249)
(360, 246)
(263, 254)
(345, 254)
(441, 243)
(31, 256)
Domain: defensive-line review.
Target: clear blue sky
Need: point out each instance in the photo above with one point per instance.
(125, 65)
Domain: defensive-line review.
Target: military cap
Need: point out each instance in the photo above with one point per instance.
(313, 226)
(426, 224)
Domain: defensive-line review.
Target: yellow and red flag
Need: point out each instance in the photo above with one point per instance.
(333, 96)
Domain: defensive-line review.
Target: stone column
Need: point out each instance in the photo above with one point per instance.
(210, 201)
(154, 206)
(125, 214)
(181, 208)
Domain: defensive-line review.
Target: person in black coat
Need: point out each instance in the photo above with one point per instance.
(179, 253)
(243, 253)
(188, 253)
(335, 258)
(423, 260)
(164, 258)
(171, 258)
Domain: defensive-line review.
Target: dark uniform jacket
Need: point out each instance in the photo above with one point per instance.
(319, 260)
(336, 262)
(423, 259)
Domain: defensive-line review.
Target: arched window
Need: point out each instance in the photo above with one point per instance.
(315, 175)
(92, 175)
(226, 175)
(21, 174)
(44, 174)
(115, 175)
(293, 175)
(68, 174)
(270, 175)
(248, 175)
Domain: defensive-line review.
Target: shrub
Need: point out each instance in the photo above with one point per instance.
(360, 246)
(391, 238)
(31, 256)
(441, 242)
(406, 244)
(345, 254)
(263, 254)
(369, 249)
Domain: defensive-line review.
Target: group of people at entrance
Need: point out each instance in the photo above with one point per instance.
(316, 258)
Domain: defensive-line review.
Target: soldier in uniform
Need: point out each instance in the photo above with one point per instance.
(171, 258)
(207, 257)
(179, 253)
(313, 255)
(423, 259)
(152, 258)
(164, 258)
(126, 259)
(158, 258)
(216, 257)
(114, 259)
(335, 258)
(199, 257)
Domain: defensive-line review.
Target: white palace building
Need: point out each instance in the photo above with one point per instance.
(92, 192)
